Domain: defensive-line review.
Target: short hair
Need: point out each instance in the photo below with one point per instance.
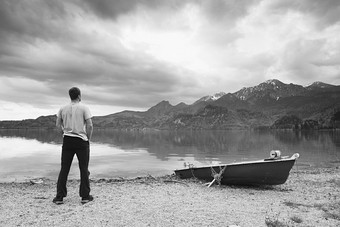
(74, 92)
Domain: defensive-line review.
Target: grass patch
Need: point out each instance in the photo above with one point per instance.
(296, 219)
(295, 205)
(332, 210)
(335, 216)
(274, 223)
(335, 181)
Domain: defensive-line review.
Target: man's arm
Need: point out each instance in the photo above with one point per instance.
(59, 123)
(89, 128)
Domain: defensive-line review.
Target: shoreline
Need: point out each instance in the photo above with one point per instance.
(308, 198)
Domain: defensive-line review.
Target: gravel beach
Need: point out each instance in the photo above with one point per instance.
(308, 198)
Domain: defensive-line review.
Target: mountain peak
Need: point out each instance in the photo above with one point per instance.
(272, 88)
(273, 82)
(217, 95)
(319, 84)
(160, 108)
(211, 98)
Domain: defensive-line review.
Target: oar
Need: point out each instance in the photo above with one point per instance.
(211, 183)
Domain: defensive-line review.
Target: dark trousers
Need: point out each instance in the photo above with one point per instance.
(71, 146)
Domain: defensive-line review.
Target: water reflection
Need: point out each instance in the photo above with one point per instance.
(42, 135)
(118, 153)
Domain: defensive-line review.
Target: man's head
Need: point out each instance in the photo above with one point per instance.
(74, 93)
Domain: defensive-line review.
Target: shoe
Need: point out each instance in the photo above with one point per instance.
(58, 200)
(86, 199)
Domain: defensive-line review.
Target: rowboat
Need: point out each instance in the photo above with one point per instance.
(270, 171)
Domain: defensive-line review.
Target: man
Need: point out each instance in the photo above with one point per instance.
(75, 121)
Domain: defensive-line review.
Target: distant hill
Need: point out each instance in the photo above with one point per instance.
(40, 122)
(271, 104)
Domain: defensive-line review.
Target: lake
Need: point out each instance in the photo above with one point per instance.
(27, 154)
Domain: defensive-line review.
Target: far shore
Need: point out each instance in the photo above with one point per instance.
(308, 198)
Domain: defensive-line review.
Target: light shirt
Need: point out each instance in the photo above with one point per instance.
(74, 116)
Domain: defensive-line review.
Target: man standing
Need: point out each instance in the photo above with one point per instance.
(75, 121)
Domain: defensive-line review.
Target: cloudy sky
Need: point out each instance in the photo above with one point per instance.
(132, 54)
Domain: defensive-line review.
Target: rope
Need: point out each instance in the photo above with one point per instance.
(217, 176)
(191, 167)
(297, 168)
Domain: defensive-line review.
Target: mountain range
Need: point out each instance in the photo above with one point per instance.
(271, 104)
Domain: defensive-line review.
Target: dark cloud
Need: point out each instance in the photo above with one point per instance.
(128, 84)
(325, 12)
(112, 9)
(226, 10)
(40, 26)
(24, 25)
(133, 82)
(32, 19)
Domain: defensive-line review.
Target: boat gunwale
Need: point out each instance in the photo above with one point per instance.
(243, 163)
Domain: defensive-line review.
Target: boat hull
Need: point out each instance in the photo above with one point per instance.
(270, 172)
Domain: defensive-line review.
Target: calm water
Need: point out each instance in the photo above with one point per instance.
(26, 154)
